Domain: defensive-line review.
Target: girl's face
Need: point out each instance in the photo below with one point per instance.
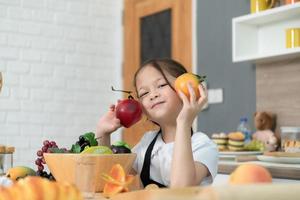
(159, 101)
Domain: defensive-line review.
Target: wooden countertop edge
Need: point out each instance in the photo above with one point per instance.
(226, 192)
(276, 172)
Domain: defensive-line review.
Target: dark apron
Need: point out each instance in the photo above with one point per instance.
(145, 173)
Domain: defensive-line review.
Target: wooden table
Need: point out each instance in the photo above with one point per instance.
(98, 196)
(278, 170)
(228, 192)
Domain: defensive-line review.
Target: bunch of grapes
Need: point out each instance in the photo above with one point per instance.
(40, 161)
(82, 143)
(255, 145)
(85, 140)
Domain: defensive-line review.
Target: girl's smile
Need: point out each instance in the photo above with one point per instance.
(157, 104)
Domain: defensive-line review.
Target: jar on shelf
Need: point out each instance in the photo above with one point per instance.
(290, 139)
(6, 158)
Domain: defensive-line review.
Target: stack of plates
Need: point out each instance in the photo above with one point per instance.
(224, 155)
(280, 157)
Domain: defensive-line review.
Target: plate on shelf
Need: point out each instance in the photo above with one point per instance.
(234, 154)
(286, 160)
(238, 153)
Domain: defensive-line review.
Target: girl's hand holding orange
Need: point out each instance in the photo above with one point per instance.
(192, 104)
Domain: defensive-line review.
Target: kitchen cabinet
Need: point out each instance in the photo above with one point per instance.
(260, 37)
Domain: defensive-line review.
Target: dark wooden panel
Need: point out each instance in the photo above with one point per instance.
(156, 35)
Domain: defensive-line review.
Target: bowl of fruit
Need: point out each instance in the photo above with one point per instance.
(86, 162)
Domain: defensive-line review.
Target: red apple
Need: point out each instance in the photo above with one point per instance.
(128, 111)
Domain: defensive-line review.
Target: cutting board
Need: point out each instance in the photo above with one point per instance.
(282, 154)
(226, 192)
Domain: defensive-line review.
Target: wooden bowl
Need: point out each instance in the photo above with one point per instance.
(84, 170)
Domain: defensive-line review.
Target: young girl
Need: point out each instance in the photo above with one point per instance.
(174, 156)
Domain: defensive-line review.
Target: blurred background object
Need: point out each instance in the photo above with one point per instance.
(1, 81)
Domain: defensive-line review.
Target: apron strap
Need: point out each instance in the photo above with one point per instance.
(145, 173)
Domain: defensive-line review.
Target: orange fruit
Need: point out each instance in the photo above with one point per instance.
(116, 181)
(182, 81)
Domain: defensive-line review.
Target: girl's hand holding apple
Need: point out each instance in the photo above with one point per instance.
(126, 113)
(108, 123)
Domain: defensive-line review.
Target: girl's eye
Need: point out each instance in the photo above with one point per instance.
(162, 85)
(143, 94)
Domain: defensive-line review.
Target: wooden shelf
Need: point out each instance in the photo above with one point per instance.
(260, 37)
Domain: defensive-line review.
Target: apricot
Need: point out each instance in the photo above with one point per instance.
(250, 173)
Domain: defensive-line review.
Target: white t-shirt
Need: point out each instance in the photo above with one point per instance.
(204, 150)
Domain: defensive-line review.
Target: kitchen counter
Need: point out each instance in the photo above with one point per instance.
(225, 192)
(281, 173)
(277, 170)
(221, 180)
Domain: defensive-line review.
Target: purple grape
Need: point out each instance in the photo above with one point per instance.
(44, 149)
(53, 144)
(39, 173)
(46, 143)
(39, 153)
(38, 162)
(40, 167)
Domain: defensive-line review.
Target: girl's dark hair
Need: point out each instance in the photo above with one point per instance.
(173, 67)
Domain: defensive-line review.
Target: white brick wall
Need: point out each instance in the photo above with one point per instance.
(58, 59)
